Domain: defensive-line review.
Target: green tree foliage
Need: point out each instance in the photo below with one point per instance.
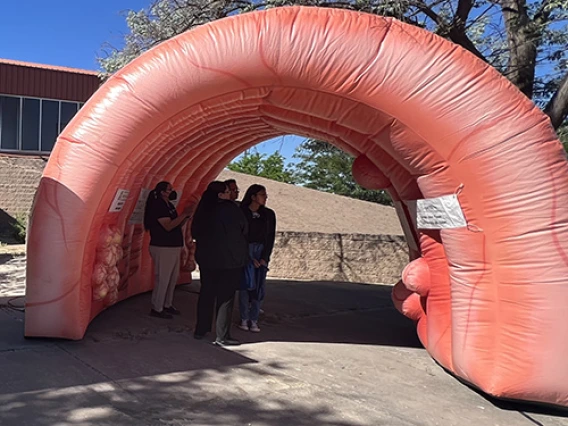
(257, 164)
(524, 39)
(563, 136)
(326, 168)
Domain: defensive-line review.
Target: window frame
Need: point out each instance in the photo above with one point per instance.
(21, 138)
(19, 142)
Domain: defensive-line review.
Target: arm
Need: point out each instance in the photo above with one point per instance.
(270, 236)
(170, 224)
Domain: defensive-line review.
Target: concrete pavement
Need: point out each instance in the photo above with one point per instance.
(329, 354)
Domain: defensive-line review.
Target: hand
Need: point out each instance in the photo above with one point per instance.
(263, 262)
(256, 263)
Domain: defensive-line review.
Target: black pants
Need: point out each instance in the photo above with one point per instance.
(218, 287)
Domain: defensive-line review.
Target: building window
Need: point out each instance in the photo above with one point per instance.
(30, 131)
(32, 124)
(68, 111)
(49, 124)
(9, 122)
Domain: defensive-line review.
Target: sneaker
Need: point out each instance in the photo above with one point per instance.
(172, 310)
(243, 325)
(254, 327)
(227, 342)
(162, 314)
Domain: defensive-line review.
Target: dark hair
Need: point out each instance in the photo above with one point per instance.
(211, 194)
(230, 181)
(252, 190)
(208, 202)
(152, 197)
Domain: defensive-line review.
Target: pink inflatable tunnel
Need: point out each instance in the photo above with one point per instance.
(479, 179)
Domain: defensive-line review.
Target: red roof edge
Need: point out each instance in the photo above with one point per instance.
(48, 67)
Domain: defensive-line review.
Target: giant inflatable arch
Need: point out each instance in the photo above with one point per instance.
(424, 118)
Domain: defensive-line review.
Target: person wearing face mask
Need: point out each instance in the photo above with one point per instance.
(166, 242)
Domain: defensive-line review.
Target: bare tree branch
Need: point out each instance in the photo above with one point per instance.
(455, 31)
(543, 12)
(426, 10)
(464, 8)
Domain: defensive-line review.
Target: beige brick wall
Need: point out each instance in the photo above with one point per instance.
(19, 178)
(339, 257)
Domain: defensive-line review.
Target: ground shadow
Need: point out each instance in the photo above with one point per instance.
(329, 312)
(197, 397)
(135, 369)
(526, 409)
(324, 312)
(8, 226)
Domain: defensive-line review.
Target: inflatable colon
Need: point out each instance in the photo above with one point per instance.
(106, 277)
(479, 179)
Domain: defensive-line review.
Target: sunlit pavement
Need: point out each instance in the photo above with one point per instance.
(327, 354)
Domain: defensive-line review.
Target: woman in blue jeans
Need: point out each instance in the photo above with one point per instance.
(261, 234)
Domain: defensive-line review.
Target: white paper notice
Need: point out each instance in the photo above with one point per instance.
(119, 200)
(439, 213)
(138, 213)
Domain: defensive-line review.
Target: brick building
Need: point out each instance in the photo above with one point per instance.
(36, 103)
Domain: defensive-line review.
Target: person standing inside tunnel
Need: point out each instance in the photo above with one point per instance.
(234, 189)
(220, 231)
(262, 232)
(166, 242)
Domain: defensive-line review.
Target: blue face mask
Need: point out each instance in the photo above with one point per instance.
(173, 196)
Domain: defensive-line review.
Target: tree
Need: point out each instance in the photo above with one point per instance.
(257, 164)
(326, 168)
(524, 39)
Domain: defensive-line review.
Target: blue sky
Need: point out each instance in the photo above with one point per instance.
(71, 33)
(62, 32)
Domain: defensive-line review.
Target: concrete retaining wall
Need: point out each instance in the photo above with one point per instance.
(339, 257)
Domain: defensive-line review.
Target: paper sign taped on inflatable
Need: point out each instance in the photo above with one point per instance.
(439, 213)
(119, 200)
(137, 216)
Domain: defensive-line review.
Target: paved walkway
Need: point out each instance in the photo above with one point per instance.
(328, 354)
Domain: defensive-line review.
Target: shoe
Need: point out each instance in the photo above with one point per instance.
(162, 314)
(172, 310)
(254, 327)
(243, 325)
(227, 342)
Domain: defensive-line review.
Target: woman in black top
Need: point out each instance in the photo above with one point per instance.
(261, 235)
(166, 243)
(220, 230)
